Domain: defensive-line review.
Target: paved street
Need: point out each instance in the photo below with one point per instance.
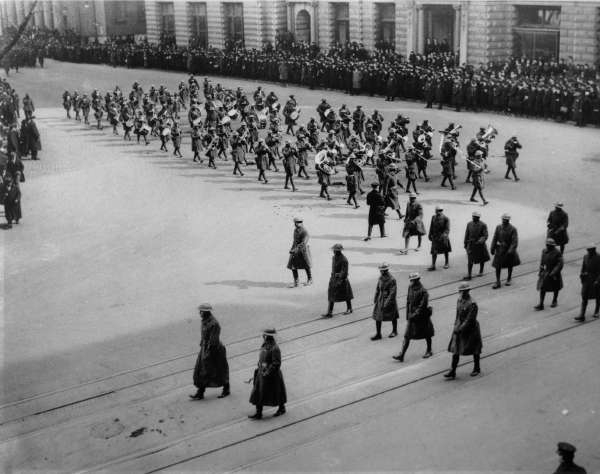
(120, 242)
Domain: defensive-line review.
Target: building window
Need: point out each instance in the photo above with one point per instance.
(234, 22)
(120, 12)
(167, 18)
(341, 22)
(198, 24)
(537, 34)
(386, 24)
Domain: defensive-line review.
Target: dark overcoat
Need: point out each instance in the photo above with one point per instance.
(476, 235)
(504, 247)
(590, 276)
(413, 220)
(300, 252)
(30, 136)
(212, 369)
(558, 221)
(12, 203)
(549, 276)
(466, 337)
(376, 205)
(268, 388)
(386, 306)
(418, 317)
(339, 286)
(438, 234)
(391, 192)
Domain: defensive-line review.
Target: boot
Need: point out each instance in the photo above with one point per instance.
(280, 411)
(294, 285)
(225, 391)
(451, 375)
(199, 395)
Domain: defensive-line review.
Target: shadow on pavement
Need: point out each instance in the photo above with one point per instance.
(245, 284)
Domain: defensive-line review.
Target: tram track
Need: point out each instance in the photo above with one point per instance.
(173, 444)
(170, 373)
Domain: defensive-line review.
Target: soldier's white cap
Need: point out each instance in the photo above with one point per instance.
(558, 204)
(205, 307)
(412, 195)
(506, 216)
(414, 276)
(384, 266)
(298, 219)
(464, 287)
(550, 242)
(439, 208)
(476, 214)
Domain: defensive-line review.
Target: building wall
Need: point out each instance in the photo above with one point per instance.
(579, 33)
(152, 21)
(129, 19)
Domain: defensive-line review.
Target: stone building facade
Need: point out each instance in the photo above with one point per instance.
(479, 30)
(89, 18)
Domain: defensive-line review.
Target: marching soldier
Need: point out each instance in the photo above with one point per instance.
(299, 258)
(237, 151)
(438, 235)
(477, 168)
(413, 223)
(448, 159)
(11, 198)
(590, 282)
(268, 386)
(386, 306)
(196, 143)
(466, 336)
(511, 153)
(549, 276)
(212, 369)
(302, 146)
(289, 164)
(476, 235)
(358, 121)
(566, 451)
(390, 190)
(418, 317)
(176, 139)
(376, 205)
(504, 249)
(339, 287)
(411, 168)
(558, 221)
(262, 159)
(28, 107)
(351, 187)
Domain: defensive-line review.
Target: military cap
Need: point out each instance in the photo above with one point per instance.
(374, 185)
(566, 447)
(550, 242)
(478, 153)
(205, 307)
(464, 287)
(506, 216)
(384, 266)
(270, 332)
(337, 247)
(558, 204)
(439, 208)
(298, 219)
(412, 195)
(476, 214)
(414, 276)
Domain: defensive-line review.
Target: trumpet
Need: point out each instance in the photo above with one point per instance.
(490, 134)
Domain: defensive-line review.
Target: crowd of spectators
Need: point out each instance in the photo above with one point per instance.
(558, 90)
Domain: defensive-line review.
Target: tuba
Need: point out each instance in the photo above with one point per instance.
(489, 134)
(324, 163)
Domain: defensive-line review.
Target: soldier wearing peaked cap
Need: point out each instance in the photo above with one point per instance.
(339, 285)
(504, 249)
(211, 368)
(418, 316)
(511, 153)
(476, 235)
(268, 388)
(300, 258)
(466, 336)
(549, 276)
(376, 204)
(566, 451)
(385, 304)
(413, 223)
(439, 231)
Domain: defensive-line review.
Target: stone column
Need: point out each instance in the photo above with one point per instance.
(420, 30)
(456, 36)
(464, 33)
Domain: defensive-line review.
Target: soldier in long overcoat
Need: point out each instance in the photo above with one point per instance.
(390, 190)
(476, 235)
(299, 258)
(504, 249)
(339, 287)
(418, 317)
(386, 306)
(11, 198)
(212, 369)
(376, 204)
(466, 336)
(413, 223)
(590, 282)
(31, 138)
(268, 386)
(290, 155)
(558, 221)
(439, 230)
(549, 276)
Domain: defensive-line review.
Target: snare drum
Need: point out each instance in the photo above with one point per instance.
(166, 132)
(233, 113)
(328, 112)
(218, 104)
(129, 123)
(225, 120)
(295, 114)
(146, 129)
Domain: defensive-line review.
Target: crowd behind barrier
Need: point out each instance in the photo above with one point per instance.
(545, 88)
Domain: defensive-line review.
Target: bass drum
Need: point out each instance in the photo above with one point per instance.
(295, 114)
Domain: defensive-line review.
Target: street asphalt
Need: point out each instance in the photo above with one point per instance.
(120, 242)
